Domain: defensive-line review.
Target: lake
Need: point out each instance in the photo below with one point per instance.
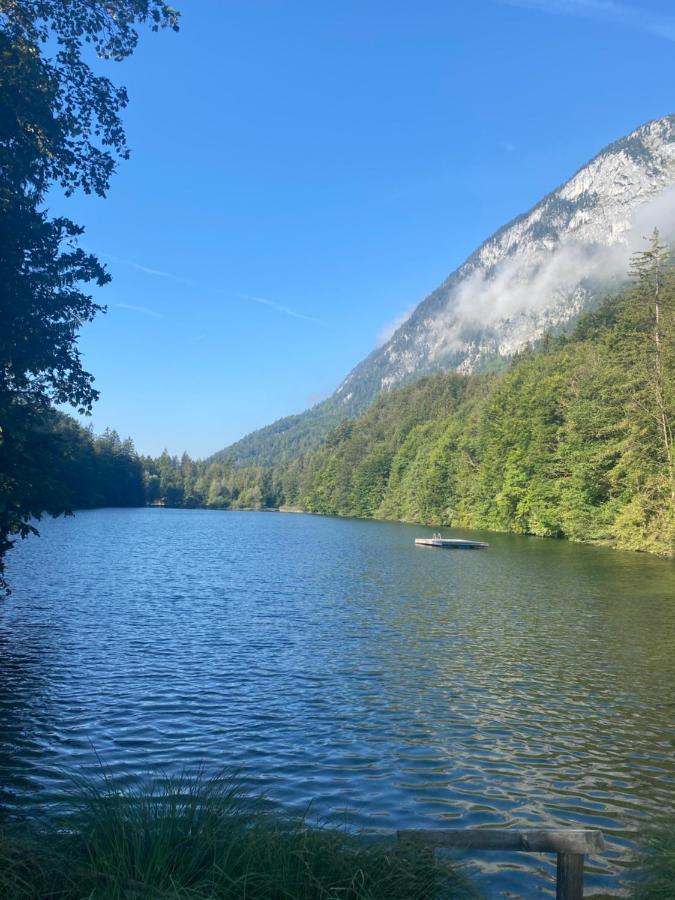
(333, 663)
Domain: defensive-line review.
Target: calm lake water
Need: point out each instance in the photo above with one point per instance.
(334, 663)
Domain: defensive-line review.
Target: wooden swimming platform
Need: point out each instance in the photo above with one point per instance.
(451, 543)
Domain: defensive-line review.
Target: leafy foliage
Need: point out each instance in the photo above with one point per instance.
(78, 141)
(655, 865)
(42, 307)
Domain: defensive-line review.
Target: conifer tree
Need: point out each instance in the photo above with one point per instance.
(648, 345)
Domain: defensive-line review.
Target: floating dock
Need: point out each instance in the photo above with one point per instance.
(451, 543)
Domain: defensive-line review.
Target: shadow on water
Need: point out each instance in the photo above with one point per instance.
(24, 729)
(334, 663)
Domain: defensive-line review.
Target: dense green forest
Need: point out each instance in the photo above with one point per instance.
(573, 440)
(84, 471)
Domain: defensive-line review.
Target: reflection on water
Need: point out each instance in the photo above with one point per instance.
(332, 661)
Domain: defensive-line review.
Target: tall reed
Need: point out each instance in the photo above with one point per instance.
(205, 839)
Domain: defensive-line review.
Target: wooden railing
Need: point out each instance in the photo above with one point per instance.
(571, 845)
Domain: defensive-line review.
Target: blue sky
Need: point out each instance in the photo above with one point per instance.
(304, 173)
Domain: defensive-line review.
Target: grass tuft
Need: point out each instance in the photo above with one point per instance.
(206, 839)
(656, 864)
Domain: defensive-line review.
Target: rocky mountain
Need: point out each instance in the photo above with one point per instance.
(535, 274)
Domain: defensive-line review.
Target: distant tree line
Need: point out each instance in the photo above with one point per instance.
(573, 440)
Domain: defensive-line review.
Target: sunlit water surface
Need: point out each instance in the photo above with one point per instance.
(334, 663)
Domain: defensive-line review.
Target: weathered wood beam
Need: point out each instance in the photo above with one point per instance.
(563, 840)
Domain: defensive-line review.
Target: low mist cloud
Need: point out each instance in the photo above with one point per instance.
(627, 15)
(532, 282)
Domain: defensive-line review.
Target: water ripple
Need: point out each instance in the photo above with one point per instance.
(335, 665)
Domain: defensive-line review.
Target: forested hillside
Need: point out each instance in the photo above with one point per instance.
(573, 440)
(534, 275)
(69, 468)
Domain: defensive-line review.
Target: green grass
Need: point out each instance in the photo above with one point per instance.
(656, 864)
(205, 838)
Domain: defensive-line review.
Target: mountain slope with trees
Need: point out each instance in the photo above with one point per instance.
(535, 275)
(575, 440)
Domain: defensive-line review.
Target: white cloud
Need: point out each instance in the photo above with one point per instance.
(278, 306)
(657, 213)
(159, 273)
(140, 309)
(532, 283)
(638, 18)
(147, 270)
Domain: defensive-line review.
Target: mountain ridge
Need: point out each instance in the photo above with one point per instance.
(535, 274)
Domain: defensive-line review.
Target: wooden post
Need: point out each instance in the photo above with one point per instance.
(570, 876)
